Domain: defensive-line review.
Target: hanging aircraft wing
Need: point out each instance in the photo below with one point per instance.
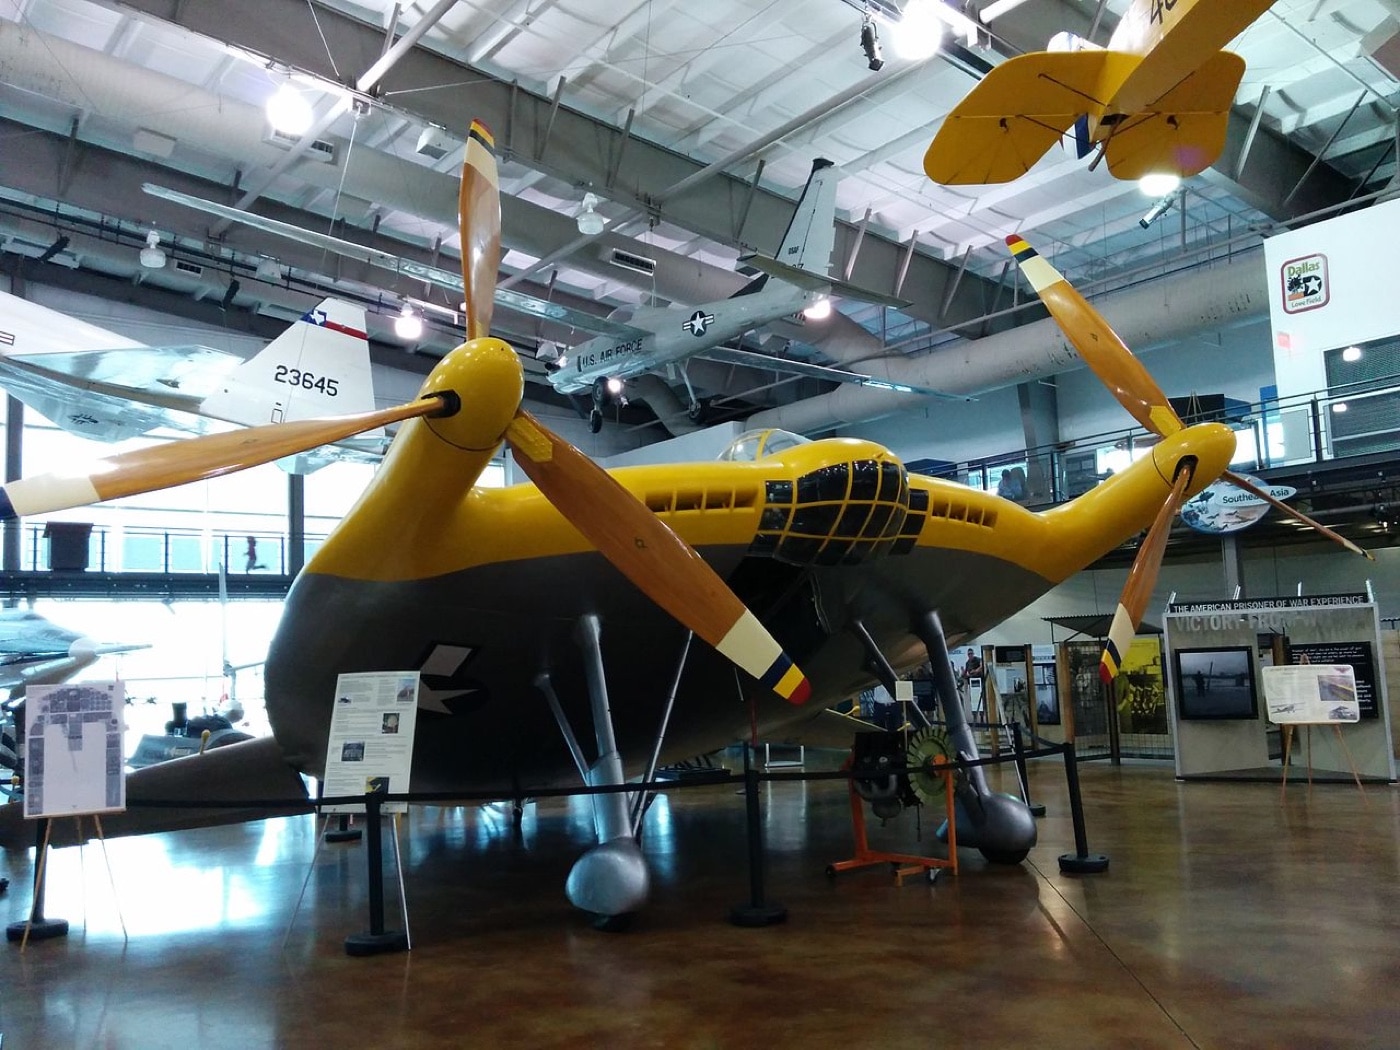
(1019, 110)
(748, 358)
(510, 300)
(810, 281)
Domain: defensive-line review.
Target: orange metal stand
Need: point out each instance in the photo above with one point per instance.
(904, 864)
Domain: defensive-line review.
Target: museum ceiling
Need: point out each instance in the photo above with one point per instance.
(695, 127)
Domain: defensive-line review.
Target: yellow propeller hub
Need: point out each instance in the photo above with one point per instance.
(1213, 446)
(484, 379)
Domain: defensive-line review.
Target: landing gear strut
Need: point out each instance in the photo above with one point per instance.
(1001, 826)
(610, 881)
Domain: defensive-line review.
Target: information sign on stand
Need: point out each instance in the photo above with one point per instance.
(1316, 694)
(371, 737)
(73, 751)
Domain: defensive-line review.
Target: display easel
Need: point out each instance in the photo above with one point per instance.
(905, 864)
(1287, 731)
(38, 926)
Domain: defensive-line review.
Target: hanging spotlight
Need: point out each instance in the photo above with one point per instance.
(269, 270)
(409, 324)
(614, 386)
(547, 351)
(1158, 210)
(870, 44)
(819, 310)
(152, 257)
(590, 223)
(288, 111)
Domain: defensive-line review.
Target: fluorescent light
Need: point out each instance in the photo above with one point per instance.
(1159, 184)
(1340, 406)
(1351, 353)
(998, 8)
(288, 111)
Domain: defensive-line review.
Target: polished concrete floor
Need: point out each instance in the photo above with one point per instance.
(1227, 919)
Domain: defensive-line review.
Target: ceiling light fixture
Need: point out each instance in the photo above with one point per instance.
(269, 270)
(870, 44)
(614, 386)
(409, 324)
(590, 223)
(288, 111)
(152, 257)
(1340, 406)
(997, 8)
(1158, 210)
(919, 32)
(1159, 183)
(819, 310)
(1351, 354)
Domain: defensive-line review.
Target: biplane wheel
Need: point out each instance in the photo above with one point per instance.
(595, 421)
(1003, 856)
(614, 923)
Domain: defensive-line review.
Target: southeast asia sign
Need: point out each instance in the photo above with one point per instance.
(1223, 507)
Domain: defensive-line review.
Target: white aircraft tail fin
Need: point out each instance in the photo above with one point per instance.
(811, 236)
(318, 367)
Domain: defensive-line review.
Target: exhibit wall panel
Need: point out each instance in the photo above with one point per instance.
(1212, 747)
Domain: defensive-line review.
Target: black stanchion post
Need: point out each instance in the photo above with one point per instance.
(1081, 861)
(343, 832)
(378, 940)
(1037, 808)
(38, 927)
(758, 911)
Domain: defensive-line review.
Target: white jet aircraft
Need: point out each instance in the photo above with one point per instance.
(103, 386)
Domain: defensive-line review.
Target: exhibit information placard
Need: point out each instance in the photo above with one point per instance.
(371, 737)
(73, 753)
(1310, 693)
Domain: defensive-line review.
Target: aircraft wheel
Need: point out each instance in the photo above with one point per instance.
(595, 421)
(1002, 856)
(696, 412)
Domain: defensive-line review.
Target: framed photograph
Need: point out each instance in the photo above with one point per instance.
(1216, 684)
(1047, 698)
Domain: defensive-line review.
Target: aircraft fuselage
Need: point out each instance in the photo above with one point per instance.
(675, 335)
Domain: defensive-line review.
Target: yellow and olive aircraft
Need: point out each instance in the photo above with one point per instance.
(505, 601)
(1156, 100)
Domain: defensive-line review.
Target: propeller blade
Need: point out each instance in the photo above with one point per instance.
(1142, 578)
(1239, 481)
(647, 552)
(1098, 344)
(479, 217)
(194, 459)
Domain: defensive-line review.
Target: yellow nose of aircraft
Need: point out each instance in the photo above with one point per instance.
(484, 379)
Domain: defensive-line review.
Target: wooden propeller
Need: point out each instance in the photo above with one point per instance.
(1110, 359)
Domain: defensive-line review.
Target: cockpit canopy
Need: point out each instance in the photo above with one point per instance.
(754, 445)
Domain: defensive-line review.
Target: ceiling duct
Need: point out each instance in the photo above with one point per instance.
(320, 149)
(631, 261)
